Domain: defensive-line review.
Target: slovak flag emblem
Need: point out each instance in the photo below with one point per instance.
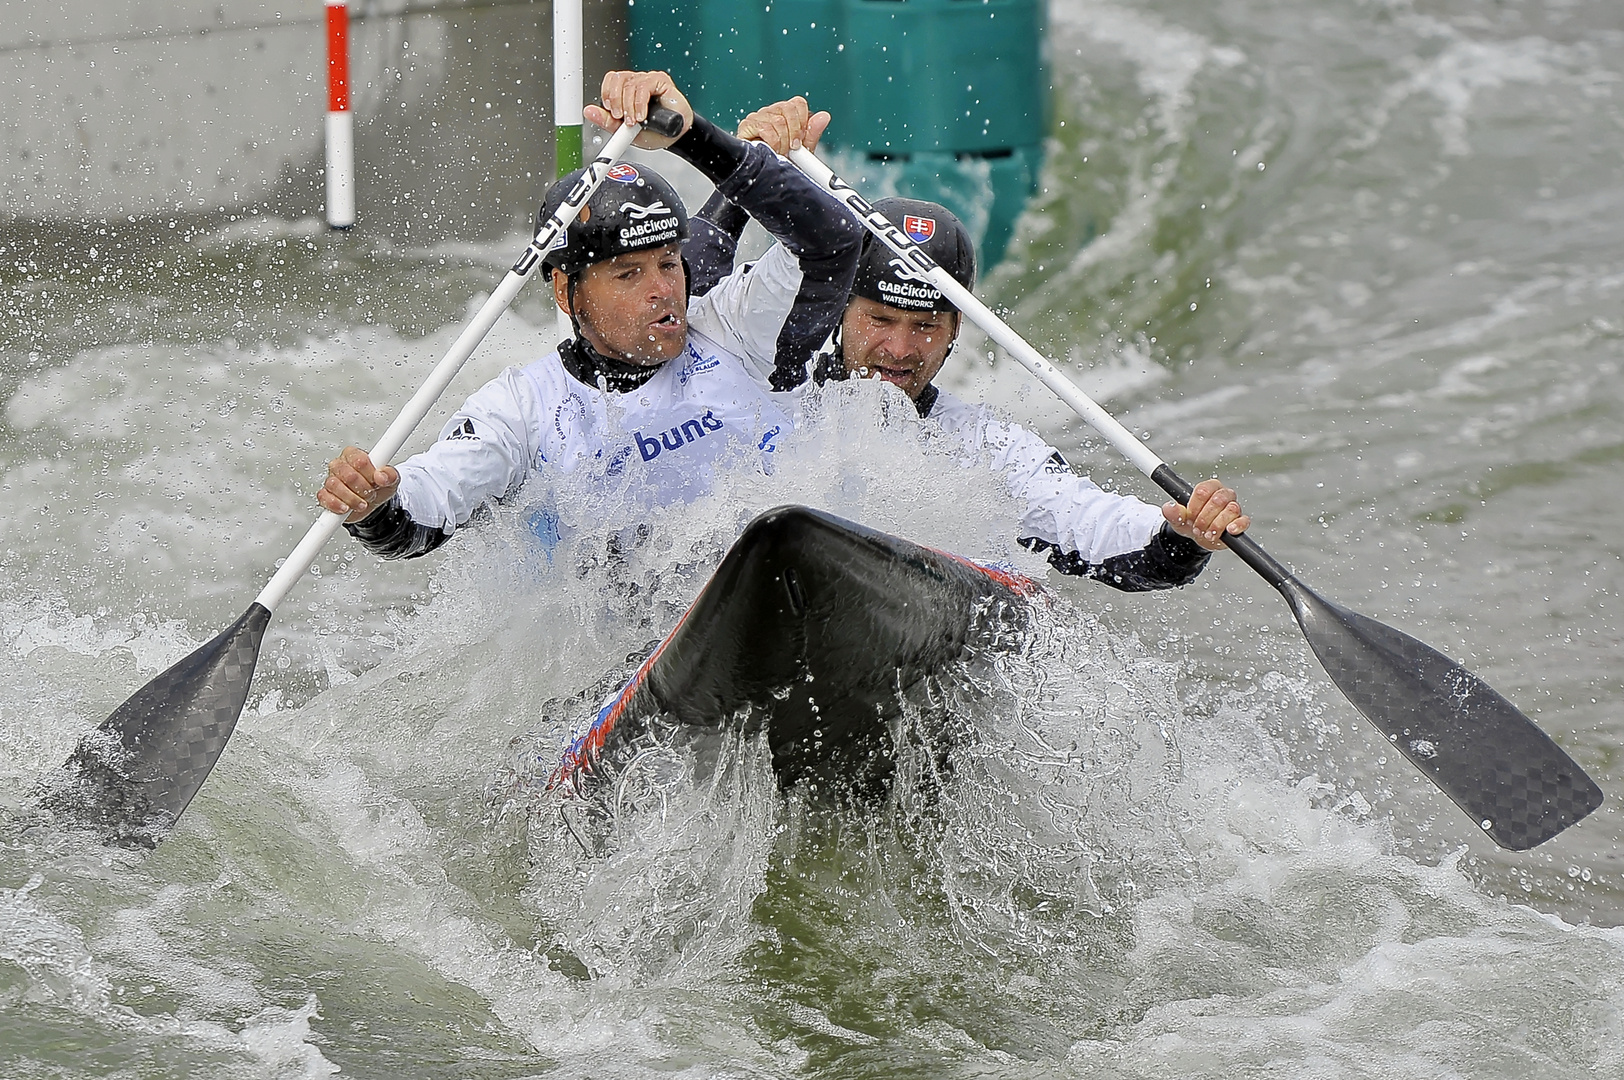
(622, 173)
(919, 229)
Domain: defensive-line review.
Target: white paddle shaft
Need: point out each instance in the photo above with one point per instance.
(924, 267)
(304, 556)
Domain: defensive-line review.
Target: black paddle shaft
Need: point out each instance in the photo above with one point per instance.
(1251, 553)
(1477, 747)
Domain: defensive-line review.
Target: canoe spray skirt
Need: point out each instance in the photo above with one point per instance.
(814, 626)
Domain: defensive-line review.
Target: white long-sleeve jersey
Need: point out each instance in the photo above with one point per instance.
(538, 417)
(1119, 539)
(668, 431)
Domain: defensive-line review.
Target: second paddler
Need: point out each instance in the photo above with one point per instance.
(900, 329)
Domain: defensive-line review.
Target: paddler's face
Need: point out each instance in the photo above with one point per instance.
(905, 348)
(632, 307)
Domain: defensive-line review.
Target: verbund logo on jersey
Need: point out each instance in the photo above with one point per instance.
(677, 437)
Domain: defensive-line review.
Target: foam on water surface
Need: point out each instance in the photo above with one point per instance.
(1165, 845)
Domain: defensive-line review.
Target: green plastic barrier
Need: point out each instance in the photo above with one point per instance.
(932, 99)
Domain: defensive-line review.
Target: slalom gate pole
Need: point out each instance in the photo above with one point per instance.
(340, 126)
(568, 85)
(568, 98)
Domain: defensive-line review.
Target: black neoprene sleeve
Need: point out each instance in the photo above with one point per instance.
(389, 533)
(1169, 560)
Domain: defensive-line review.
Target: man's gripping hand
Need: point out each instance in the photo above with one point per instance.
(626, 96)
(785, 126)
(1211, 514)
(356, 487)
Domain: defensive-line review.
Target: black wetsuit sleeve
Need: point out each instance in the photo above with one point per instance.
(725, 216)
(1168, 561)
(713, 241)
(708, 253)
(825, 240)
(390, 534)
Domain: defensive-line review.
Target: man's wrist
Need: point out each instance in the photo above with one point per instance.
(1176, 547)
(712, 151)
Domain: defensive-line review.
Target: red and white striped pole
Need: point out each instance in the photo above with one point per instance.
(340, 131)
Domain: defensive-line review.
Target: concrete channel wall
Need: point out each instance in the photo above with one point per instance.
(202, 107)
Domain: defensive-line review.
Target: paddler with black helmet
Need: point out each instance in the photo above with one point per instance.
(651, 384)
(900, 328)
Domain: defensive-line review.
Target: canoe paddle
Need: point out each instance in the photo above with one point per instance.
(132, 777)
(1507, 774)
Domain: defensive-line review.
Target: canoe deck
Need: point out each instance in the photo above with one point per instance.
(813, 626)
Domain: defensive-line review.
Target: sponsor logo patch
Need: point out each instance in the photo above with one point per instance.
(623, 174)
(919, 229)
(465, 430)
(637, 211)
(908, 295)
(903, 292)
(677, 438)
(649, 233)
(697, 366)
(901, 269)
(568, 417)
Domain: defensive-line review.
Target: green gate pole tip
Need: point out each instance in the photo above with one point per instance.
(567, 147)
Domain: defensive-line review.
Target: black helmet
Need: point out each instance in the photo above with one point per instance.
(633, 209)
(943, 237)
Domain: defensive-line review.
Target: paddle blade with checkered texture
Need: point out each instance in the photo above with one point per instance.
(1477, 747)
(1481, 751)
(132, 777)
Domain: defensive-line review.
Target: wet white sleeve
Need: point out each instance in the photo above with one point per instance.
(1062, 508)
(746, 311)
(484, 452)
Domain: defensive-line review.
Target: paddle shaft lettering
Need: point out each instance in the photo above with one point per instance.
(912, 255)
(555, 227)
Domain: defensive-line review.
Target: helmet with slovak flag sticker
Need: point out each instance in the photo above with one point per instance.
(635, 208)
(882, 276)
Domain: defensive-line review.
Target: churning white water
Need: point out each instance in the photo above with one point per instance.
(1364, 259)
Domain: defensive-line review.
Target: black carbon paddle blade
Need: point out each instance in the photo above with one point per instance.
(133, 776)
(1515, 782)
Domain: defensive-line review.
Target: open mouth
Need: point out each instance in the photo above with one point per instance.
(891, 374)
(668, 321)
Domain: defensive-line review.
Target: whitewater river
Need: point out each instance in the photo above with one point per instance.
(1364, 257)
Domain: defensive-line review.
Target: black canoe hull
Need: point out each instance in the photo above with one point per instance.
(814, 626)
